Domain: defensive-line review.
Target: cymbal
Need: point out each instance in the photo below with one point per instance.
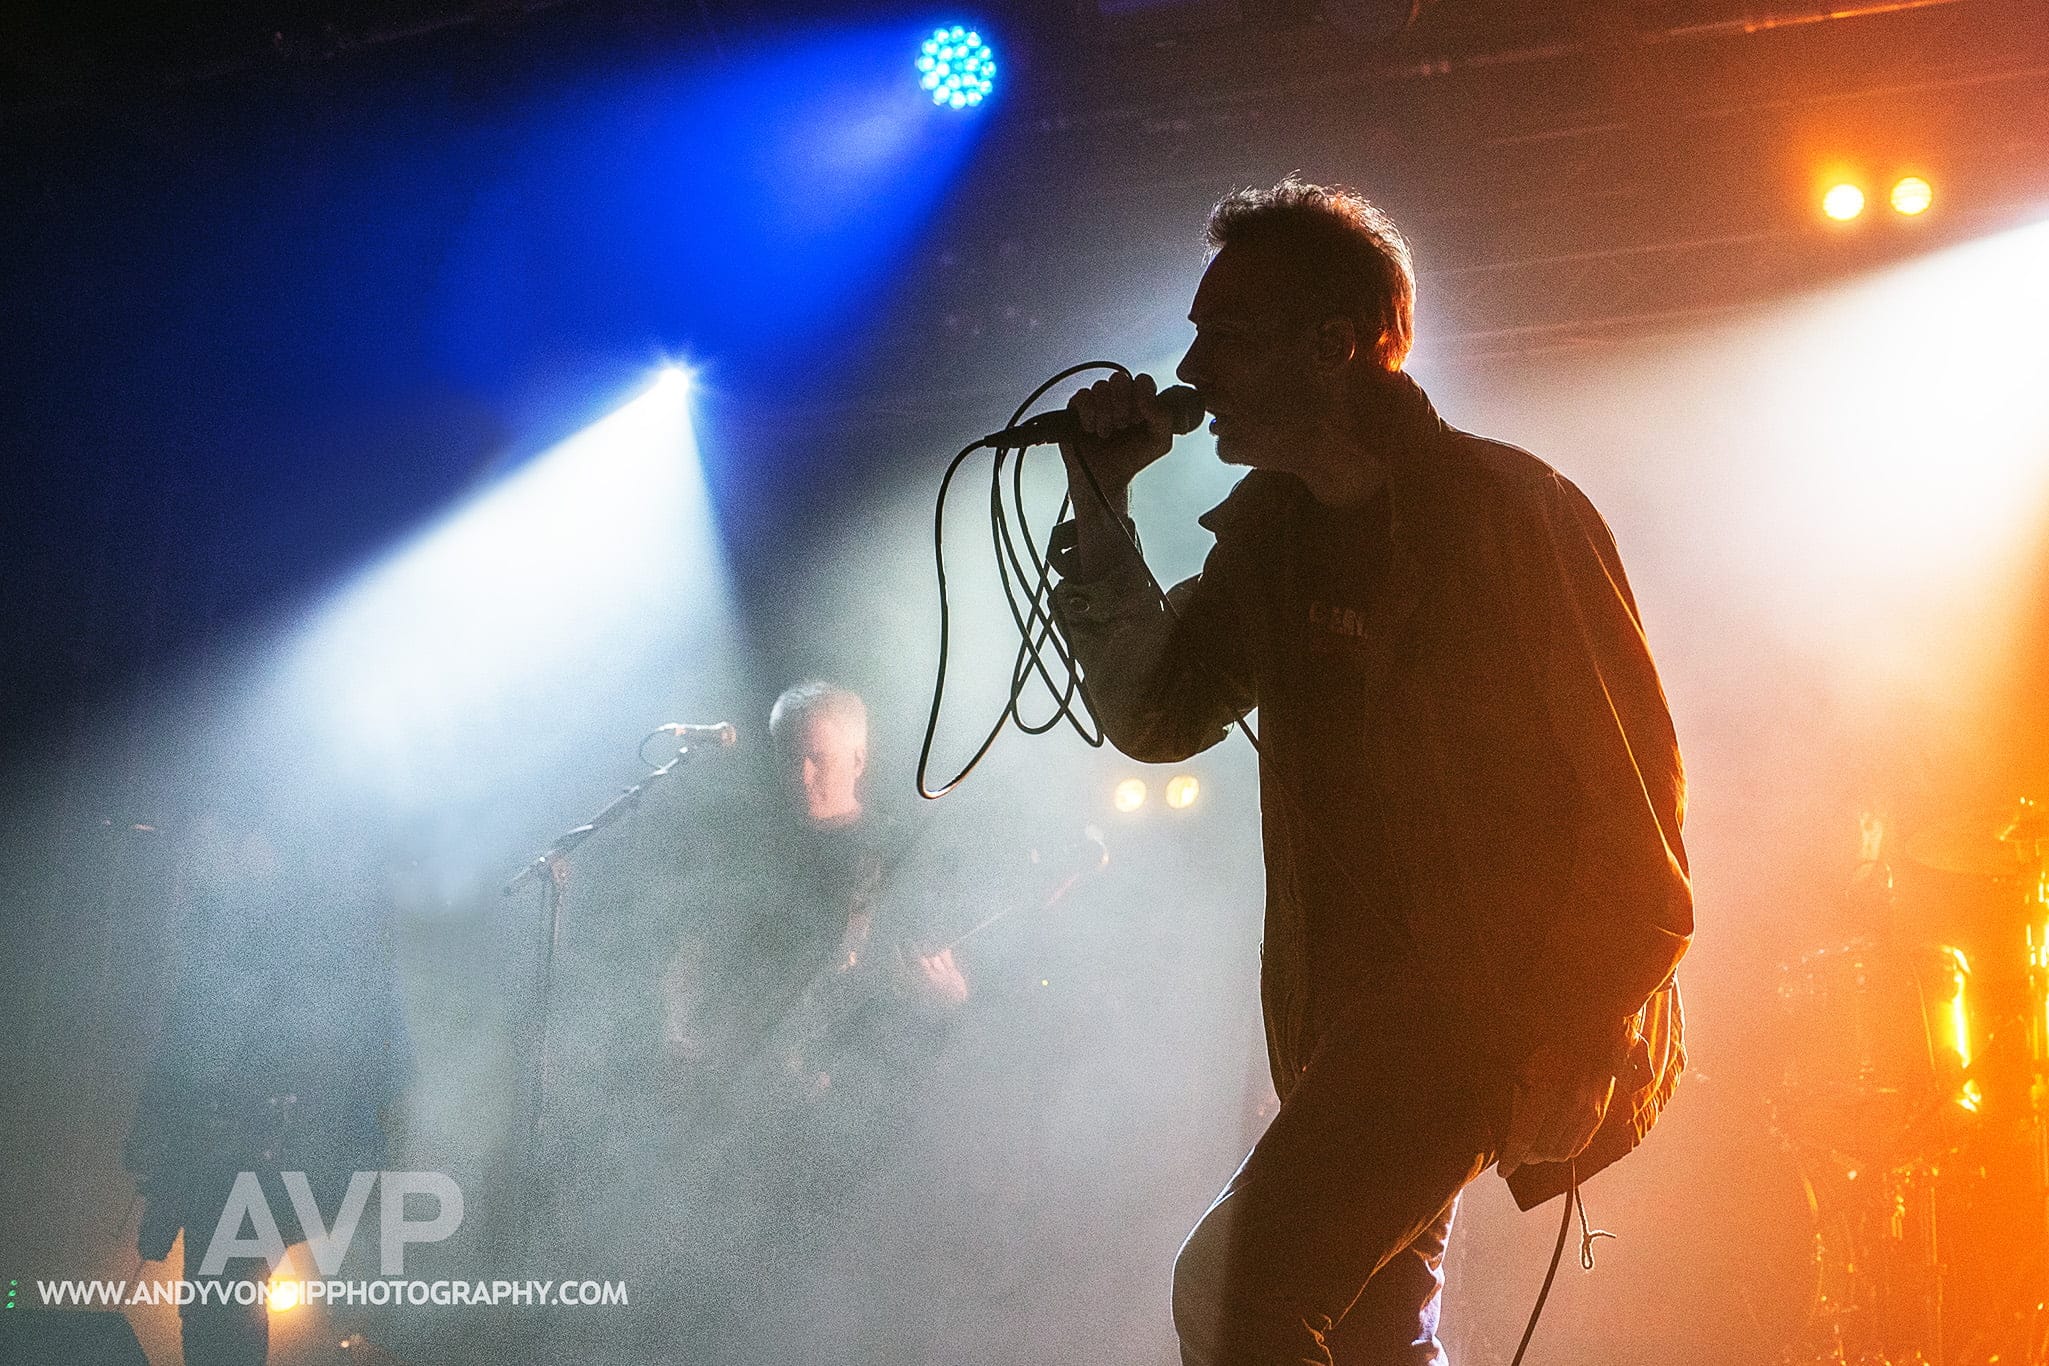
(1984, 844)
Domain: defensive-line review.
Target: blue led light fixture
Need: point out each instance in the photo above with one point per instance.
(956, 67)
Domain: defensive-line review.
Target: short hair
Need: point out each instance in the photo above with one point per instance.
(1346, 249)
(816, 697)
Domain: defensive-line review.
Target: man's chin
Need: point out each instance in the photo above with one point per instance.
(1243, 457)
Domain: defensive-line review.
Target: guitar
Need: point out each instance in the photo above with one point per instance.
(789, 1063)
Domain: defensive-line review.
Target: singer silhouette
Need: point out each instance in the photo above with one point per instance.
(1471, 790)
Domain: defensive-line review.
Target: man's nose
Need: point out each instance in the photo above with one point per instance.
(1190, 370)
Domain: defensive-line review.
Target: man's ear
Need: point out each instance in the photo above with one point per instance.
(860, 761)
(1384, 350)
(1337, 343)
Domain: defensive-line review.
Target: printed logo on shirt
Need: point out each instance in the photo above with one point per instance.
(1337, 621)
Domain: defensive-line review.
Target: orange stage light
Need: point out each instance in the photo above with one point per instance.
(1843, 202)
(1912, 196)
(1957, 988)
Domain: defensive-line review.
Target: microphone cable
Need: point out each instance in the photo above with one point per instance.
(1574, 1203)
(1033, 617)
(1027, 591)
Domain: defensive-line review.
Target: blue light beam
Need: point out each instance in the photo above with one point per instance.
(544, 608)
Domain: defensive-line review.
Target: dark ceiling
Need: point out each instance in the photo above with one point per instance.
(1581, 170)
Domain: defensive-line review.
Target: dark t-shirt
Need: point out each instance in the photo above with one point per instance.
(801, 980)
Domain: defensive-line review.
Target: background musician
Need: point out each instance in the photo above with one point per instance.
(803, 1017)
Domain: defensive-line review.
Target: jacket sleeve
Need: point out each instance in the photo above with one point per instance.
(1629, 916)
(1165, 680)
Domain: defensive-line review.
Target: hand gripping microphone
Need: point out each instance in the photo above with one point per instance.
(1184, 413)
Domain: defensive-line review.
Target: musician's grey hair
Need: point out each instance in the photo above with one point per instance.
(816, 697)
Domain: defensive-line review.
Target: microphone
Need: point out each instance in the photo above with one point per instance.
(1184, 413)
(723, 735)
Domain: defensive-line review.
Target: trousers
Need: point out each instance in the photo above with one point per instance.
(1327, 1246)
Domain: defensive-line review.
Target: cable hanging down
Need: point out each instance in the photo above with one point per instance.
(1026, 578)
(1033, 583)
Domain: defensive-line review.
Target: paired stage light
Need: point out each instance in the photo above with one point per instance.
(1180, 793)
(1910, 197)
(956, 67)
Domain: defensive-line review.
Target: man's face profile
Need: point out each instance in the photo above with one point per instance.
(1250, 359)
(823, 761)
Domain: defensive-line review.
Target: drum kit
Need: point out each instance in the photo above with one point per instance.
(1914, 1101)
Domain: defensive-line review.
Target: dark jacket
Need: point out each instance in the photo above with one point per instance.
(1524, 781)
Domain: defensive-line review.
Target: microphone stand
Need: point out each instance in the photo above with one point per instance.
(551, 868)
